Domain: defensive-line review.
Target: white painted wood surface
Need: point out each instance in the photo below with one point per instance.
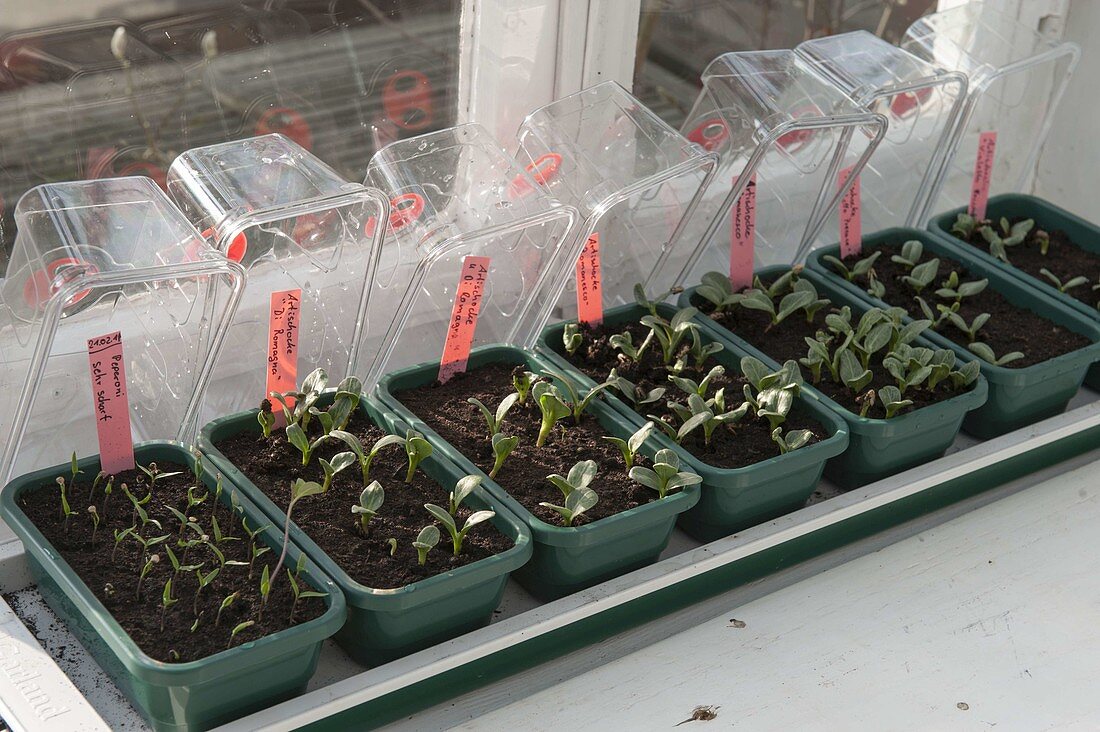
(989, 620)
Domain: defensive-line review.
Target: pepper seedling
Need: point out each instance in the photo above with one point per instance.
(153, 473)
(1066, 286)
(100, 476)
(205, 580)
(370, 501)
(418, 450)
(229, 600)
(240, 627)
(366, 458)
(425, 542)
(503, 445)
(859, 269)
(265, 591)
(576, 503)
(630, 446)
(145, 570)
(298, 490)
(985, 352)
(494, 420)
(458, 535)
(178, 567)
(299, 593)
(665, 476)
(94, 513)
(572, 338)
(120, 536)
(66, 511)
(166, 601)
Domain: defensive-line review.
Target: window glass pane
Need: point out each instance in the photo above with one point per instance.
(81, 99)
(678, 38)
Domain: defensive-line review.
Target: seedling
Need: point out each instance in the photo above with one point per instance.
(634, 393)
(985, 352)
(892, 401)
(145, 570)
(576, 401)
(701, 352)
(551, 406)
(965, 225)
(100, 476)
(859, 269)
(572, 338)
(177, 566)
(417, 449)
(205, 580)
(580, 477)
(299, 593)
(366, 458)
(970, 329)
(458, 535)
(689, 386)
(312, 388)
(370, 501)
(343, 405)
(107, 489)
(911, 253)
(94, 513)
(193, 499)
(494, 420)
(791, 441)
(340, 461)
(630, 446)
(922, 275)
(254, 549)
(266, 417)
(953, 289)
(153, 473)
(166, 601)
(651, 305)
(425, 542)
(625, 342)
(522, 380)
(503, 446)
(74, 468)
(393, 545)
(1010, 235)
(298, 490)
(575, 504)
(66, 511)
(463, 489)
(237, 630)
(120, 536)
(665, 475)
(717, 289)
(1063, 286)
(296, 436)
(265, 590)
(791, 303)
(671, 333)
(854, 375)
(229, 600)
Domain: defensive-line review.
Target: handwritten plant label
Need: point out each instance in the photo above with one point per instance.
(460, 330)
(282, 347)
(851, 221)
(983, 174)
(111, 405)
(743, 236)
(589, 283)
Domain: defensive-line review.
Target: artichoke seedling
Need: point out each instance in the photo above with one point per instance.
(312, 388)
(701, 352)
(465, 486)
(370, 500)
(1063, 286)
(985, 352)
(580, 477)
(625, 342)
(651, 305)
(970, 329)
(551, 406)
(503, 446)
(166, 601)
(671, 333)
(298, 490)
(791, 441)
(689, 386)
(717, 289)
(634, 393)
(665, 476)
(299, 593)
(852, 373)
(922, 275)
(425, 542)
(229, 600)
(418, 450)
(343, 405)
(572, 338)
(576, 503)
(790, 304)
(393, 545)
(892, 400)
(340, 461)
(458, 535)
(953, 289)
(859, 269)
(965, 225)
(911, 253)
(522, 380)
(494, 420)
(296, 436)
(266, 418)
(1010, 235)
(237, 631)
(630, 446)
(366, 458)
(578, 402)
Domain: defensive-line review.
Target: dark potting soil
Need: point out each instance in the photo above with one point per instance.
(1064, 259)
(1009, 329)
(272, 464)
(735, 446)
(115, 581)
(786, 342)
(445, 409)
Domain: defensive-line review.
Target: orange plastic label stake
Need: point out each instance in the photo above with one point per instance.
(983, 174)
(851, 223)
(112, 407)
(282, 347)
(743, 236)
(460, 331)
(589, 287)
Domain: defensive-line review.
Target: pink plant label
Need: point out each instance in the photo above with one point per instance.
(282, 347)
(983, 174)
(851, 222)
(460, 331)
(589, 288)
(112, 407)
(743, 236)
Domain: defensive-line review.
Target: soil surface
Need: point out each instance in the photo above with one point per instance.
(1010, 328)
(737, 446)
(445, 409)
(1064, 259)
(272, 465)
(114, 581)
(786, 341)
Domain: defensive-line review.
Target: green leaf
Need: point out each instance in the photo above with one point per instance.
(297, 437)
